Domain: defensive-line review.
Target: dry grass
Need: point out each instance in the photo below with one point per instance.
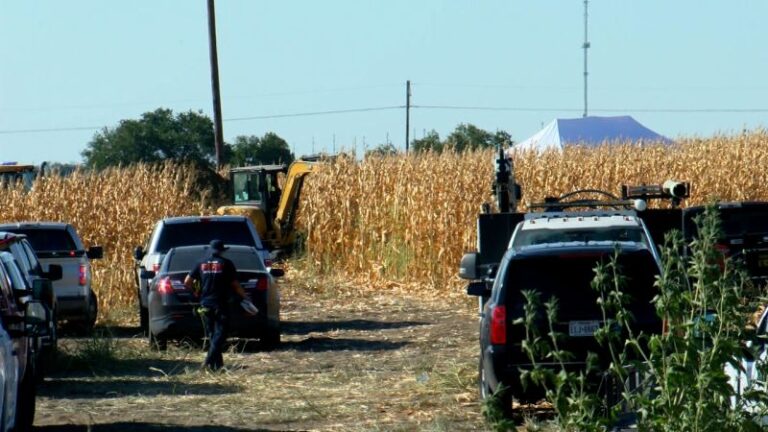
(406, 221)
(116, 209)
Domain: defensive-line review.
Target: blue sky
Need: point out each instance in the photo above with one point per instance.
(90, 63)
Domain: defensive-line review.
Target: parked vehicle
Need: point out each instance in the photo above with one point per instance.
(744, 227)
(565, 271)
(40, 282)
(748, 372)
(23, 318)
(9, 382)
(172, 306)
(553, 251)
(58, 243)
(189, 231)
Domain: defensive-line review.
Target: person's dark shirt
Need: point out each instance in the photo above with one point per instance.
(215, 274)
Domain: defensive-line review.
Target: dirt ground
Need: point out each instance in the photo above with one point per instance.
(377, 363)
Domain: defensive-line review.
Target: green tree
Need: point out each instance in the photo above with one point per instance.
(431, 141)
(382, 150)
(253, 150)
(158, 135)
(464, 137)
(471, 137)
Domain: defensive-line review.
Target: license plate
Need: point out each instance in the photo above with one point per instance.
(583, 328)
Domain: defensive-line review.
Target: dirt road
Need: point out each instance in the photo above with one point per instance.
(378, 363)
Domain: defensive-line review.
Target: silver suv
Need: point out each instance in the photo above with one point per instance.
(58, 243)
(189, 231)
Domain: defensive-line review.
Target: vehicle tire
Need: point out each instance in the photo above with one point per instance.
(143, 319)
(157, 343)
(48, 353)
(93, 312)
(503, 397)
(25, 405)
(271, 338)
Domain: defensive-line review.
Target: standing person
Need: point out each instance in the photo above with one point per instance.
(218, 280)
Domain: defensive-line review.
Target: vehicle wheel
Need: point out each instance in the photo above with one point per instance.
(502, 397)
(271, 338)
(156, 343)
(93, 312)
(48, 353)
(25, 405)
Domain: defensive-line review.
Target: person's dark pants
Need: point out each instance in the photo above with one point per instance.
(216, 328)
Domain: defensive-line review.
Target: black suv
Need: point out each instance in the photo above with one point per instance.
(23, 318)
(563, 271)
(40, 282)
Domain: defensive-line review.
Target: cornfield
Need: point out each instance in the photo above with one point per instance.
(406, 221)
(397, 222)
(116, 209)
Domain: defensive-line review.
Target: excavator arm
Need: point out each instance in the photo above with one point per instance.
(289, 201)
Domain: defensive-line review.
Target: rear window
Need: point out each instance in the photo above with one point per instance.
(44, 240)
(201, 233)
(569, 277)
(243, 260)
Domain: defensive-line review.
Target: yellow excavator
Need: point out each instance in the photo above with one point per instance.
(255, 193)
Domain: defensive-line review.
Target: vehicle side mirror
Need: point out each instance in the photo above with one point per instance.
(42, 289)
(276, 272)
(468, 266)
(95, 252)
(35, 314)
(147, 274)
(54, 272)
(138, 253)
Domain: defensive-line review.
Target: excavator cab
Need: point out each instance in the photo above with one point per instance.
(12, 173)
(257, 194)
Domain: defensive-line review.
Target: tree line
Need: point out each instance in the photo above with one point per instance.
(189, 137)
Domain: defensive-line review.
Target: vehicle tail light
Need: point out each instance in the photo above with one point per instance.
(723, 248)
(156, 267)
(164, 286)
(262, 284)
(498, 328)
(82, 275)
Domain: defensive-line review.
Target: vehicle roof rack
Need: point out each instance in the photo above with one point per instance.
(670, 190)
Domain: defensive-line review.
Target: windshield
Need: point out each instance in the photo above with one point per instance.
(527, 237)
(246, 187)
(201, 232)
(244, 261)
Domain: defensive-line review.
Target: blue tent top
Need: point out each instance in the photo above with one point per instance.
(591, 131)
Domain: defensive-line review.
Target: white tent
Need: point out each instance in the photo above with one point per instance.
(590, 131)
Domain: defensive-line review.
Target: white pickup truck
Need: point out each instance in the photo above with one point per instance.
(58, 243)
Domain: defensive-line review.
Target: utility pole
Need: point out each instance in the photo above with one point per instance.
(217, 121)
(407, 113)
(586, 47)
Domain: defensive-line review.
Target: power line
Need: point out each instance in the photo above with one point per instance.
(428, 107)
(603, 110)
(316, 113)
(62, 129)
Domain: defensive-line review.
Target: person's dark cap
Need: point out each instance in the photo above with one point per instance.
(218, 245)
